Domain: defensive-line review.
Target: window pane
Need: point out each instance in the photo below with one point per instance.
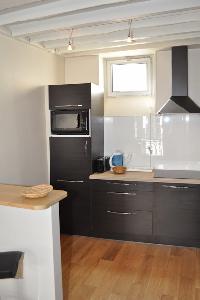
(129, 77)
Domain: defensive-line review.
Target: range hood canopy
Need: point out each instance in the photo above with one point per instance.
(179, 102)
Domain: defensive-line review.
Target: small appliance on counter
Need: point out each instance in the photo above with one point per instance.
(102, 164)
(116, 159)
(116, 163)
(107, 163)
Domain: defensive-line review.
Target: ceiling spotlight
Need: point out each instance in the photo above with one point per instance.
(129, 38)
(70, 47)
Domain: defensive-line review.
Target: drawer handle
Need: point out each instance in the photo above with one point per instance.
(86, 146)
(68, 105)
(175, 187)
(72, 181)
(121, 213)
(122, 193)
(123, 184)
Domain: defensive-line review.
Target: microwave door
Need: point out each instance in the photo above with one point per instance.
(69, 122)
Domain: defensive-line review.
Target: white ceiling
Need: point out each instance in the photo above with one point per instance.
(98, 26)
(8, 4)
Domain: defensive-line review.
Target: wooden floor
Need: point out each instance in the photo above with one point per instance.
(113, 270)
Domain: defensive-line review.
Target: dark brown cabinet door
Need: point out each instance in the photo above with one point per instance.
(70, 158)
(70, 96)
(177, 215)
(70, 169)
(75, 208)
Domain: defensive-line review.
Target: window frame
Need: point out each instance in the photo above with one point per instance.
(109, 79)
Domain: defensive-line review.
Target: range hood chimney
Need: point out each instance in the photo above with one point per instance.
(179, 102)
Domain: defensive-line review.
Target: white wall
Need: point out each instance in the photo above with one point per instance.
(128, 106)
(163, 77)
(24, 71)
(82, 69)
(194, 74)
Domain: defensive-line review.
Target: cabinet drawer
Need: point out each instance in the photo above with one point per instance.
(137, 200)
(178, 197)
(121, 186)
(71, 186)
(117, 223)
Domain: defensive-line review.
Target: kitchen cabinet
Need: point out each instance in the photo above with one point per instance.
(146, 211)
(177, 214)
(122, 210)
(75, 208)
(70, 158)
(69, 170)
(70, 96)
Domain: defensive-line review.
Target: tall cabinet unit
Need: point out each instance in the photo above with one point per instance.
(71, 158)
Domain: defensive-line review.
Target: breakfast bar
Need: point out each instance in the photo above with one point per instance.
(32, 227)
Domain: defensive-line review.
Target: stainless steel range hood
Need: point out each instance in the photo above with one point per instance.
(179, 102)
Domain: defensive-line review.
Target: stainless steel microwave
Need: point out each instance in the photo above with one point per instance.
(70, 122)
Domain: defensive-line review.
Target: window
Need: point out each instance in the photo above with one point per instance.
(129, 77)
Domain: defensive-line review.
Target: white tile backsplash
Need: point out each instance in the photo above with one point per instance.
(174, 140)
(178, 138)
(131, 136)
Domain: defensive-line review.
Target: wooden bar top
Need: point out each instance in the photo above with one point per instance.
(140, 176)
(11, 195)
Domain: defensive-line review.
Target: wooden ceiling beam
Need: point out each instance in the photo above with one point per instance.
(132, 10)
(98, 47)
(138, 34)
(49, 9)
(133, 49)
(185, 17)
(11, 5)
(79, 32)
